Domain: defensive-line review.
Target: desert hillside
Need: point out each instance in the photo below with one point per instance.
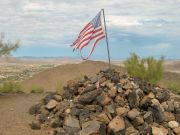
(55, 78)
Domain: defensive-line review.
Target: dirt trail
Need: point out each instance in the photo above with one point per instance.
(14, 117)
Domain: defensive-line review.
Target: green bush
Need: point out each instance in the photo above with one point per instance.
(10, 86)
(37, 89)
(59, 87)
(148, 69)
(175, 87)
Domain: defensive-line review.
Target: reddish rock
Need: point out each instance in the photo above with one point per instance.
(131, 131)
(103, 99)
(103, 117)
(92, 128)
(132, 114)
(138, 121)
(122, 81)
(121, 111)
(51, 104)
(116, 124)
(168, 116)
(112, 92)
(159, 131)
(176, 130)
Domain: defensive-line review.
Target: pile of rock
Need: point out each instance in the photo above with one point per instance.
(109, 104)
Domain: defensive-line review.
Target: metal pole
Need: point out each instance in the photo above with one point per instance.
(106, 39)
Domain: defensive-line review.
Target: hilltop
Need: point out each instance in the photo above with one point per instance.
(52, 79)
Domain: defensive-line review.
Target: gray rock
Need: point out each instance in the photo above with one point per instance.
(115, 78)
(94, 79)
(62, 106)
(75, 111)
(177, 117)
(138, 121)
(69, 92)
(158, 114)
(42, 118)
(133, 99)
(89, 88)
(71, 130)
(70, 121)
(144, 129)
(110, 108)
(93, 128)
(35, 125)
(48, 97)
(35, 109)
(170, 106)
(163, 95)
(84, 116)
(56, 122)
(60, 131)
(127, 122)
(145, 102)
(57, 98)
(89, 96)
(148, 117)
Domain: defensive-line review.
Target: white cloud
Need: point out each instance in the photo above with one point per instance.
(116, 20)
(59, 21)
(160, 46)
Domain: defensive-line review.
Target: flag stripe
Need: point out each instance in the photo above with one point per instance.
(81, 36)
(92, 49)
(84, 28)
(88, 36)
(90, 40)
(82, 33)
(87, 27)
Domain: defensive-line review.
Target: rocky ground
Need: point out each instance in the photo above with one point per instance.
(110, 103)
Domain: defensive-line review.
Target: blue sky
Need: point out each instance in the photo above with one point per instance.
(47, 28)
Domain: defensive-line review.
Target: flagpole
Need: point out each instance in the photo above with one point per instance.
(106, 38)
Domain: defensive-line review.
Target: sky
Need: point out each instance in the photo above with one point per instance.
(46, 28)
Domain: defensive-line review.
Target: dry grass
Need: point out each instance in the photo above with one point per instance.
(171, 80)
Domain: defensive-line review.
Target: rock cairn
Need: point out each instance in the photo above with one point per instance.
(108, 104)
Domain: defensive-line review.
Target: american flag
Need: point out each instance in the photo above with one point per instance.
(93, 31)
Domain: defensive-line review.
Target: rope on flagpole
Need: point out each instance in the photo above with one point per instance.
(106, 38)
